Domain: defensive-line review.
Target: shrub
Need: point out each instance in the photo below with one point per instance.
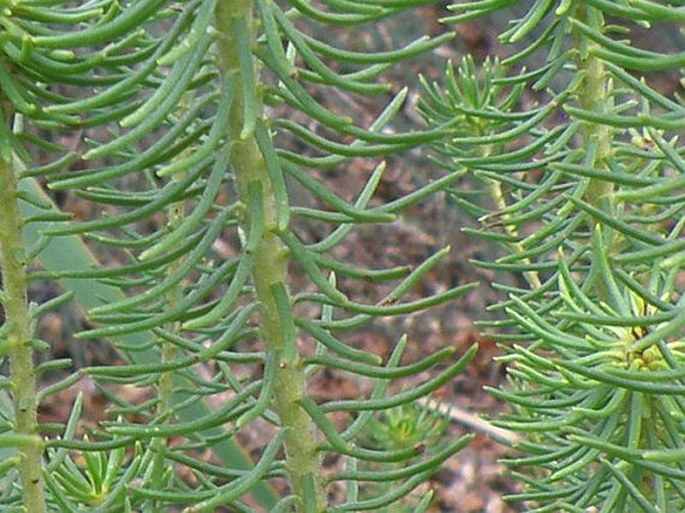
(184, 126)
(580, 155)
(196, 118)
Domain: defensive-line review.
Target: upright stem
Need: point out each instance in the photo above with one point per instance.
(165, 385)
(594, 95)
(500, 205)
(269, 272)
(18, 341)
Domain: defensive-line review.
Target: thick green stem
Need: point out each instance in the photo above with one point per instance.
(594, 95)
(18, 341)
(269, 272)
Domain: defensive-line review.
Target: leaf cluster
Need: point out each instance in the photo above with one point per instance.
(582, 160)
(189, 114)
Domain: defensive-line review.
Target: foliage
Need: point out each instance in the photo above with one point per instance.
(193, 123)
(195, 119)
(580, 155)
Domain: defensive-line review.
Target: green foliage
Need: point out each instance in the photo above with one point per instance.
(581, 157)
(195, 119)
(187, 126)
(408, 425)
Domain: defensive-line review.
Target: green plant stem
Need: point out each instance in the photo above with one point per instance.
(500, 203)
(15, 302)
(165, 385)
(269, 271)
(594, 95)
